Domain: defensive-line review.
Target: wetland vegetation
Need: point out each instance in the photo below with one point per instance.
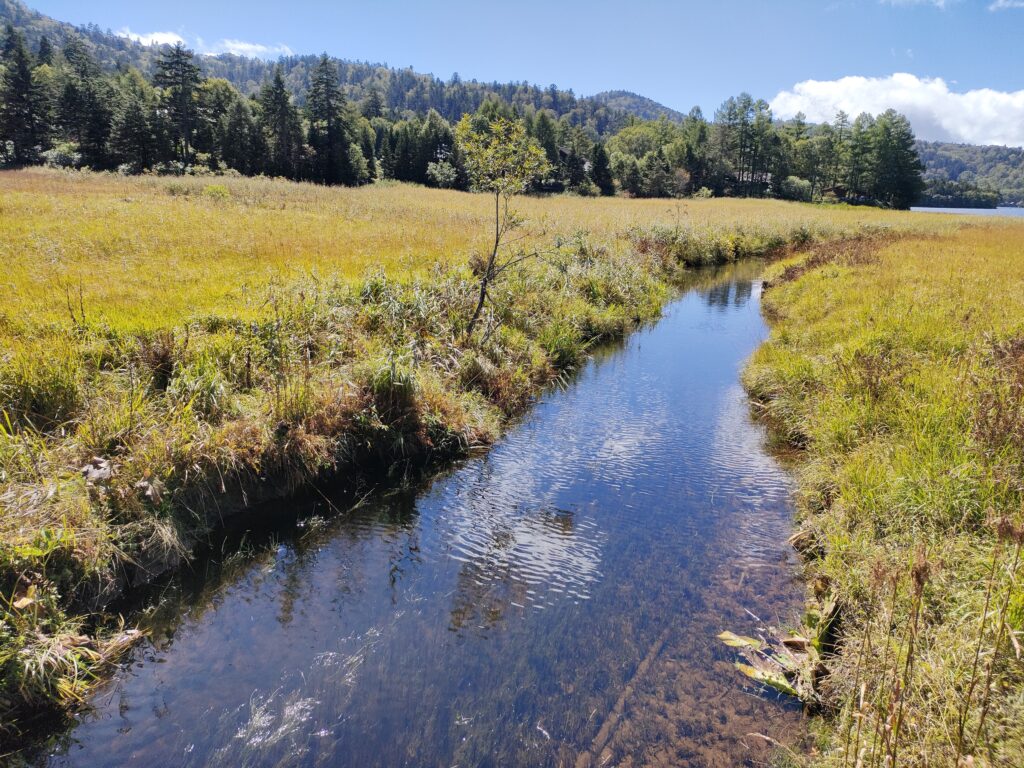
(174, 353)
(222, 295)
(897, 368)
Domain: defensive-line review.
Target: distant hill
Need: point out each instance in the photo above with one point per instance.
(1000, 169)
(635, 104)
(402, 90)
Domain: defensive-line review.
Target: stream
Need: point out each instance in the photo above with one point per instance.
(551, 602)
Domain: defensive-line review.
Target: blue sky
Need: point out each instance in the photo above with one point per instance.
(679, 53)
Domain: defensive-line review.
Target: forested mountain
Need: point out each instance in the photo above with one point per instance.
(401, 90)
(635, 104)
(999, 169)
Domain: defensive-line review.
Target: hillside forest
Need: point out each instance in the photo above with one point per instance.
(63, 106)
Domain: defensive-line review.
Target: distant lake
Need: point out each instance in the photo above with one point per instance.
(1002, 211)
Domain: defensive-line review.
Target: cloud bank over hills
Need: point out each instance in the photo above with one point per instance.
(938, 113)
(227, 45)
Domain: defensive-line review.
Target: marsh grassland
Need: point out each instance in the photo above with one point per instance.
(899, 372)
(177, 350)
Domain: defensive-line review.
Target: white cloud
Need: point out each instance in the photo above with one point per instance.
(153, 38)
(981, 116)
(252, 50)
(1003, 5)
(227, 45)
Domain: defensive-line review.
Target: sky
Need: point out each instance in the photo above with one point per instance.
(954, 67)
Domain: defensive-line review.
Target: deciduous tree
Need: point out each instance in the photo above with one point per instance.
(503, 161)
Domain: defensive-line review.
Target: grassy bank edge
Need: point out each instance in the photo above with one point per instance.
(920, 661)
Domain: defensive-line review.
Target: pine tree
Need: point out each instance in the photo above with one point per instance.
(859, 171)
(24, 103)
(359, 169)
(45, 52)
(632, 181)
(367, 139)
(600, 170)
(545, 132)
(138, 137)
(214, 99)
(86, 104)
(282, 129)
(131, 136)
(11, 37)
(655, 176)
(404, 153)
(898, 168)
(373, 106)
(243, 148)
(434, 141)
(329, 137)
(387, 157)
(178, 75)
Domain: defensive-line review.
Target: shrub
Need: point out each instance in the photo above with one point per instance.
(795, 188)
(216, 192)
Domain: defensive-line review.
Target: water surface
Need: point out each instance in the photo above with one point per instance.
(1000, 211)
(553, 602)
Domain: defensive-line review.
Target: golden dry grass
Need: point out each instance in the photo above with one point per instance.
(152, 253)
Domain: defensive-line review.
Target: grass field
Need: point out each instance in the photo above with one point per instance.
(900, 371)
(174, 350)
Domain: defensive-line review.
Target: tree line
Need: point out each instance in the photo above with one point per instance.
(58, 106)
(744, 151)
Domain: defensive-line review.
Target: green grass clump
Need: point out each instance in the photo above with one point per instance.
(899, 368)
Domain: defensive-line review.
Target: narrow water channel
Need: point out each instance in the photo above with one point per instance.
(551, 603)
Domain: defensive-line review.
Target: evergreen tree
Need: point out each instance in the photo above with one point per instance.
(862, 151)
(359, 169)
(545, 133)
(898, 170)
(178, 75)
(629, 175)
(367, 141)
(11, 38)
(405, 156)
(86, 101)
(138, 137)
(373, 106)
(45, 53)
(131, 135)
(24, 103)
(655, 176)
(243, 146)
(434, 142)
(387, 157)
(328, 129)
(281, 128)
(213, 102)
(600, 170)
(695, 159)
